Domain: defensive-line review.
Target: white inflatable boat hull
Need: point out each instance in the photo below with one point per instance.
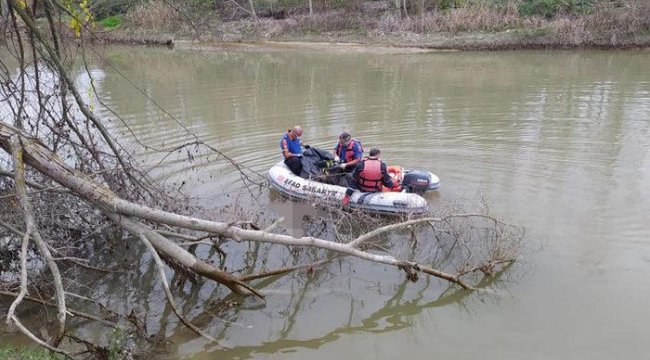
(283, 180)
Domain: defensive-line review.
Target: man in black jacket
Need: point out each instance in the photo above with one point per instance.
(370, 175)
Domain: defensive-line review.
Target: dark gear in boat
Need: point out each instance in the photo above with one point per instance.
(319, 165)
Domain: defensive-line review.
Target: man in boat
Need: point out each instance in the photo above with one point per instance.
(291, 149)
(370, 175)
(348, 153)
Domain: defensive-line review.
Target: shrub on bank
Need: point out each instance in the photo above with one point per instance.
(331, 22)
(111, 21)
(106, 8)
(465, 19)
(154, 15)
(604, 26)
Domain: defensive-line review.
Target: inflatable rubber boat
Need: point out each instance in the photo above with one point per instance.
(403, 198)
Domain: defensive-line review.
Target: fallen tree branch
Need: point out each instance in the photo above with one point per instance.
(191, 240)
(486, 268)
(274, 225)
(118, 209)
(168, 293)
(284, 270)
(183, 257)
(358, 241)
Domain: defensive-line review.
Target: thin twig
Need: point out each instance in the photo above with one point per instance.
(71, 311)
(284, 270)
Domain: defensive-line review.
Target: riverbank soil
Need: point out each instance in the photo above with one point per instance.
(455, 25)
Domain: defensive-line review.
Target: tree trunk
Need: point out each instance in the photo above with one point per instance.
(252, 5)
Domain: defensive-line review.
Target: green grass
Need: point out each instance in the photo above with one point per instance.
(27, 353)
(111, 21)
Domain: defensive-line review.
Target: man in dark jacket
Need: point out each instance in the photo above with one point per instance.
(370, 175)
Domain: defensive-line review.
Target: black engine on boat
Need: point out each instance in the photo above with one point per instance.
(416, 182)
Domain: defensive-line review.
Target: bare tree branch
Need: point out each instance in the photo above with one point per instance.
(71, 311)
(34, 185)
(168, 293)
(54, 57)
(30, 224)
(284, 270)
(23, 278)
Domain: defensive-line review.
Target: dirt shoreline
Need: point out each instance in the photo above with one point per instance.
(341, 43)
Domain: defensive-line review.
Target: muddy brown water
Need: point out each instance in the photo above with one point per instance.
(557, 141)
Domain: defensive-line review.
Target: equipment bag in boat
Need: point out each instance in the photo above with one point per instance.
(316, 163)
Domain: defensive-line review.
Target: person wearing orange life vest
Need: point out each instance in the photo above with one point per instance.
(370, 175)
(348, 152)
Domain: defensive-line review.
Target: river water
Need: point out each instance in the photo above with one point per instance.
(558, 141)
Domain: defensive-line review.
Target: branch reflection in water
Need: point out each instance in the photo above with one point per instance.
(394, 314)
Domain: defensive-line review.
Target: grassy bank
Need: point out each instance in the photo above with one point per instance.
(7, 353)
(444, 24)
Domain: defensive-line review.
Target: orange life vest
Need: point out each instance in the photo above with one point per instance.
(349, 150)
(371, 178)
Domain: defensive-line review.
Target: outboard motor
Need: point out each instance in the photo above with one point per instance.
(416, 182)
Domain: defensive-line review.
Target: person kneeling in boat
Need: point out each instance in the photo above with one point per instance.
(348, 153)
(291, 149)
(370, 175)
